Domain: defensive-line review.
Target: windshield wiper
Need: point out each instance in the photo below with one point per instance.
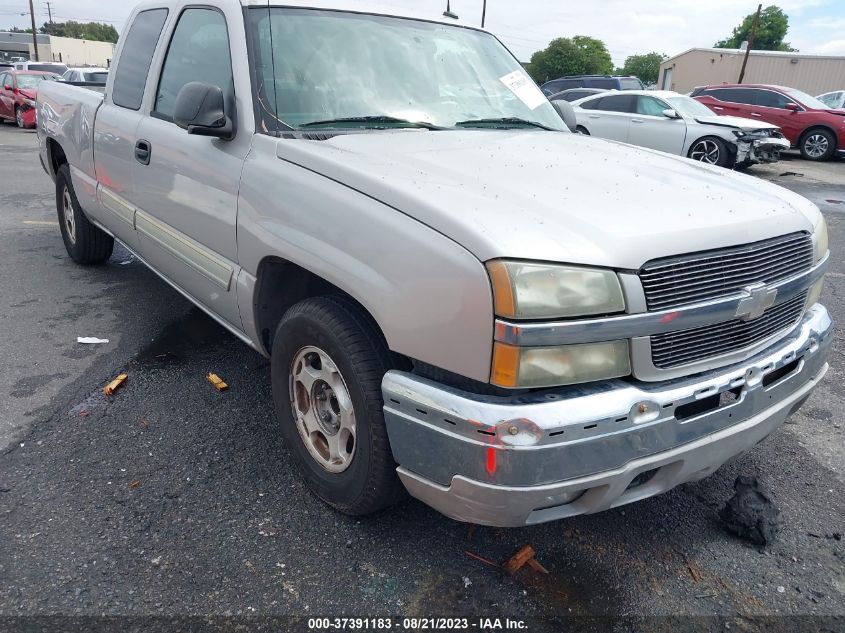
(503, 123)
(376, 122)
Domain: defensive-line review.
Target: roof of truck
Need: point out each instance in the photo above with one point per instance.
(365, 6)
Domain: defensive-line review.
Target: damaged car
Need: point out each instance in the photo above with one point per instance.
(677, 124)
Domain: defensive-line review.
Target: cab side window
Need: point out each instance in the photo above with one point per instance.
(733, 95)
(135, 58)
(199, 51)
(616, 103)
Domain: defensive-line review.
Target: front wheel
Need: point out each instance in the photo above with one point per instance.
(582, 130)
(328, 360)
(19, 117)
(711, 151)
(817, 145)
(85, 243)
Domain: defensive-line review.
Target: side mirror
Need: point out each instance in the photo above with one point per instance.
(200, 109)
(671, 114)
(564, 109)
(794, 107)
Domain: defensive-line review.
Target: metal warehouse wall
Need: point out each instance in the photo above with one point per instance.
(814, 75)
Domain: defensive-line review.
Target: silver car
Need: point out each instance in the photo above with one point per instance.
(835, 99)
(677, 124)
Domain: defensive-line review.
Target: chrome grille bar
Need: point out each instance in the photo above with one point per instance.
(673, 282)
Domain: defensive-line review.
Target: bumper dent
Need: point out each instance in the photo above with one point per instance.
(593, 446)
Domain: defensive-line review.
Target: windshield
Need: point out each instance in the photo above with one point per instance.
(32, 81)
(806, 100)
(318, 67)
(687, 106)
(96, 77)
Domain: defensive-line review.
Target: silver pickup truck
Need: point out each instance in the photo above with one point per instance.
(459, 297)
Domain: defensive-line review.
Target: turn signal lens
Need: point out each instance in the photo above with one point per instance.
(531, 367)
(815, 293)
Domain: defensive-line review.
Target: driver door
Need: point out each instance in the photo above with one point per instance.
(651, 128)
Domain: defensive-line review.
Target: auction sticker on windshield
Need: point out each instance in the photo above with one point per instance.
(525, 89)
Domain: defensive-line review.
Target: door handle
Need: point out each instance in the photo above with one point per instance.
(636, 120)
(757, 114)
(594, 116)
(143, 151)
(718, 108)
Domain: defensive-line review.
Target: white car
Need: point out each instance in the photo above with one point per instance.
(91, 74)
(677, 124)
(834, 99)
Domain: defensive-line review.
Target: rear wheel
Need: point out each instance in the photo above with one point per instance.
(582, 130)
(817, 144)
(19, 117)
(710, 150)
(328, 360)
(85, 243)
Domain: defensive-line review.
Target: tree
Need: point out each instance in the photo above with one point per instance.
(645, 67)
(771, 30)
(81, 30)
(579, 55)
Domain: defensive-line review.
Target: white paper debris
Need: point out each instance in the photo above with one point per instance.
(524, 88)
(91, 340)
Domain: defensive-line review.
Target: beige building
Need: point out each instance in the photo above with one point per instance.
(814, 74)
(69, 51)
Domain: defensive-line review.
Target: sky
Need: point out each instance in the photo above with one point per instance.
(627, 27)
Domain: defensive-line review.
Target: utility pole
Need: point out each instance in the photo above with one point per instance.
(34, 33)
(750, 42)
(49, 11)
(483, 13)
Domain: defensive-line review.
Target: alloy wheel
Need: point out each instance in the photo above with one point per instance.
(706, 151)
(68, 216)
(322, 408)
(816, 145)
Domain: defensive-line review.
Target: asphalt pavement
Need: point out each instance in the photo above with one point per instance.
(172, 499)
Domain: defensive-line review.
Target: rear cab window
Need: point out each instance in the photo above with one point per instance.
(732, 95)
(615, 103)
(130, 78)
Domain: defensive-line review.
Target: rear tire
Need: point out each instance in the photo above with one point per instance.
(581, 130)
(817, 144)
(19, 118)
(710, 151)
(327, 364)
(85, 243)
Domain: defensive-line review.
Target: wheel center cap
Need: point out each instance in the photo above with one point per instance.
(326, 407)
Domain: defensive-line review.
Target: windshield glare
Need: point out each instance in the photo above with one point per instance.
(687, 106)
(804, 99)
(315, 65)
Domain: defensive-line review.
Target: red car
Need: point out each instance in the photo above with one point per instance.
(810, 125)
(17, 95)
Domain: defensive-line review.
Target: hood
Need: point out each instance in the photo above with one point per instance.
(746, 125)
(555, 196)
(839, 111)
(29, 93)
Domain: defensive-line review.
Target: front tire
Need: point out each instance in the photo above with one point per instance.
(581, 130)
(85, 243)
(19, 118)
(327, 364)
(711, 151)
(817, 145)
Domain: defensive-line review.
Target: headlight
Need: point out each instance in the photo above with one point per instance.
(531, 367)
(820, 240)
(528, 290)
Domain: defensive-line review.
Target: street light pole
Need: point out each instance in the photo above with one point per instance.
(34, 34)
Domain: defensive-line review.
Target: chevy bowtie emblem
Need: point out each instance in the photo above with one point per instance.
(759, 299)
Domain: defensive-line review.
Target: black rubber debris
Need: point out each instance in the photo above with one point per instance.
(750, 514)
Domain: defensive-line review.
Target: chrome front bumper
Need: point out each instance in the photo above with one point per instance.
(575, 450)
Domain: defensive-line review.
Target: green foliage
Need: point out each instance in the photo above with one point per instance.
(645, 67)
(81, 30)
(579, 55)
(771, 30)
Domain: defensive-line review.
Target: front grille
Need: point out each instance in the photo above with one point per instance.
(683, 347)
(672, 282)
